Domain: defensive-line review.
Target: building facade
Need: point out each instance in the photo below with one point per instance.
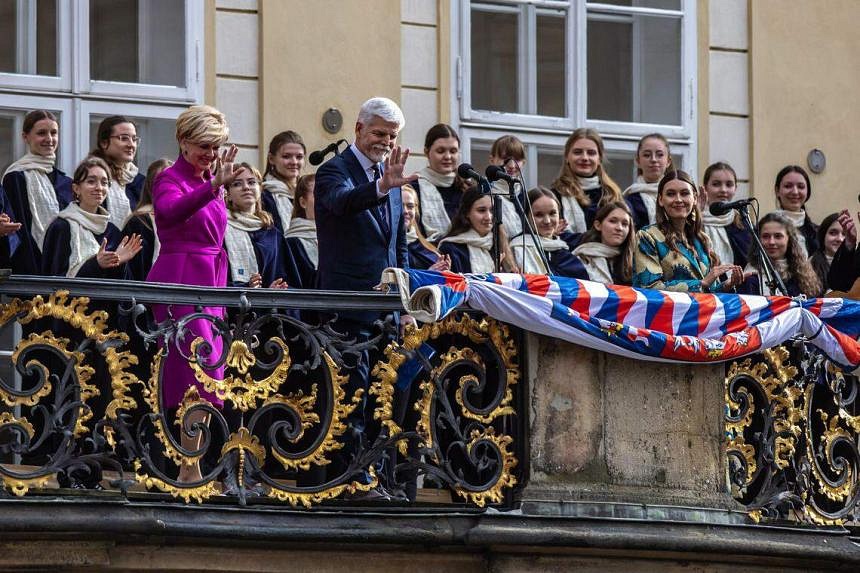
(759, 84)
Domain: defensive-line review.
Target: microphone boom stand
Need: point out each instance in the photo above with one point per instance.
(774, 281)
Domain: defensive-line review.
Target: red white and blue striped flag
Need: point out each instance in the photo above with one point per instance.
(637, 323)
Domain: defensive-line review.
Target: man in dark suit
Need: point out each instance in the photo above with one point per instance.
(359, 218)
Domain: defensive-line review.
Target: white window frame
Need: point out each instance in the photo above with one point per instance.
(193, 90)
(689, 70)
(66, 149)
(63, 80)
(546, 131)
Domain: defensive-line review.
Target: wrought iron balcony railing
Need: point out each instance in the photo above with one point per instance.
(83, 407)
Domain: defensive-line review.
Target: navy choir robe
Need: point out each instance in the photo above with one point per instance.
(273, 258)
(420, 257)
(304, 273)
(27, 258)
(58, 249)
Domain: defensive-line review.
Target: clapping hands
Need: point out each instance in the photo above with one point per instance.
(125, 251)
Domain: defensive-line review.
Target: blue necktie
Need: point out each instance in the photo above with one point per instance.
(381, 208)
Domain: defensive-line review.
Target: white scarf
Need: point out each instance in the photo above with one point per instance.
(41, 195)
(510, 217)
(527, 256)
(596, 258)
(648, 193)
(83, 227)
(796, 218)
(433, 214)
(573, 210)
(779, 265)
(147, 210)
(305, 230)
(283, 197)
(240, 248)
(715, 228)
(118, 204)
(480, 257)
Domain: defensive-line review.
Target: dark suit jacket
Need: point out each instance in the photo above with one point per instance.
(354, 247)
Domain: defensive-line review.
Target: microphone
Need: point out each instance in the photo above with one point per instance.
(722, 207)
(495, 172)
(317, 157)
(466, 171)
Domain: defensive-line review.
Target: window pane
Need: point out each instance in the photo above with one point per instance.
(158, 138)
(494, 60)
(479, 154)
(634, 69)
(549, 164)
(551, 47)
(28, 37)
(621, 167)
(138, 41)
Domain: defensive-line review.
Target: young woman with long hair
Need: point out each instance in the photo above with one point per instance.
(255, 248)
(780, 241)
(584, 186)
(607, 248)
(509, 153)
(830, 237)
(284, 165)
(674, 253)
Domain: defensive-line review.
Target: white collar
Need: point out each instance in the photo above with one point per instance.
(363, 160)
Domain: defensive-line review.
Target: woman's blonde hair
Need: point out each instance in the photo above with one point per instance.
(202, 124)
(421, 238)
(259, 212)
(567, 182)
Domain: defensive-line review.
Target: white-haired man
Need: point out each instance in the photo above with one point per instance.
(359, 219)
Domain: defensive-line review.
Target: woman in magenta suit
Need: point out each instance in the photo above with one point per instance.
(191, 218)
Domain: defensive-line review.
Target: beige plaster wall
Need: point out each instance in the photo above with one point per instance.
(321, 54)
(805, 77)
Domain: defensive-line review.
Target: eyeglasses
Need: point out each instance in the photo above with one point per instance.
(126, 138)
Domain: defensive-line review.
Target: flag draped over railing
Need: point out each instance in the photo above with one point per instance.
(637, 323)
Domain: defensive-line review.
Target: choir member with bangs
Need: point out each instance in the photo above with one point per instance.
(36, 189)
(256, 252)
(82, 242)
